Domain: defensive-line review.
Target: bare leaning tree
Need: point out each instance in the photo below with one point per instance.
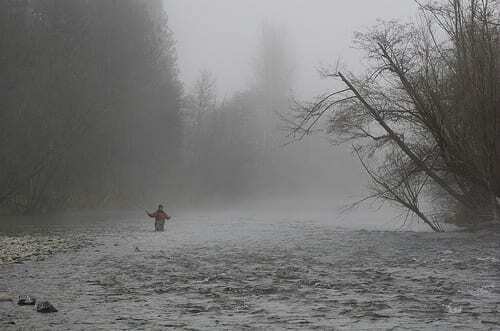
(423, 118)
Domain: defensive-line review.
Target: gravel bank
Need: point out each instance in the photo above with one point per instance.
(17, 249)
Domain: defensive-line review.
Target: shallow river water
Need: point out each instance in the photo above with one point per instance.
(229, 272)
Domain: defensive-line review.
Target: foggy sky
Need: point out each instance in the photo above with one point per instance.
(221, 35)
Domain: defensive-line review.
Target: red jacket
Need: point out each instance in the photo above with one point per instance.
(159, 215)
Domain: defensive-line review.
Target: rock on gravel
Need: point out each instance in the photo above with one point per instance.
(6, 297)
(45, 307)
(24, 300)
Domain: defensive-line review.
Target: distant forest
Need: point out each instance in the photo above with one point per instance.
(90, 103)
(93, 114)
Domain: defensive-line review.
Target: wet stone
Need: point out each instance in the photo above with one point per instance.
(379, 315)
(299, 321)
(259, 311)
(45, 307)
(5, 297)
(26, 300)
(264, 290)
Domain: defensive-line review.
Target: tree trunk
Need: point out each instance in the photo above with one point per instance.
(440, 181)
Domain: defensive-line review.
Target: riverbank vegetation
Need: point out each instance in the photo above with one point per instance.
(423, 118)
(90, 103)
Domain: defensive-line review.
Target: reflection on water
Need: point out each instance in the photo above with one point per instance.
(228, 272)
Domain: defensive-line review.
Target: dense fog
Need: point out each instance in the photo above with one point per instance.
(260, 58)
(123, 104)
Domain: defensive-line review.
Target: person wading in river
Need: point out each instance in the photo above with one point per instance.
(160, 216)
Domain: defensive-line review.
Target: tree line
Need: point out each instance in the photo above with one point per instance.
(93, 114)
(89, 106)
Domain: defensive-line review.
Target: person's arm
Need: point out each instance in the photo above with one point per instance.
(150, 215)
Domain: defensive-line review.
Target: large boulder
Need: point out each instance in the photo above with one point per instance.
(45, 307)
(24, 300)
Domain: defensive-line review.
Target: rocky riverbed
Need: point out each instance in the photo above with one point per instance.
(231, 272)
(18, 249)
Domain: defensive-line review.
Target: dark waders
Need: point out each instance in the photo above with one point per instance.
(159, 225)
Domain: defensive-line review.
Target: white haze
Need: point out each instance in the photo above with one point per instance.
(222, 36)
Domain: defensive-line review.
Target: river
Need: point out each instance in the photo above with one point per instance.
(231, 272)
